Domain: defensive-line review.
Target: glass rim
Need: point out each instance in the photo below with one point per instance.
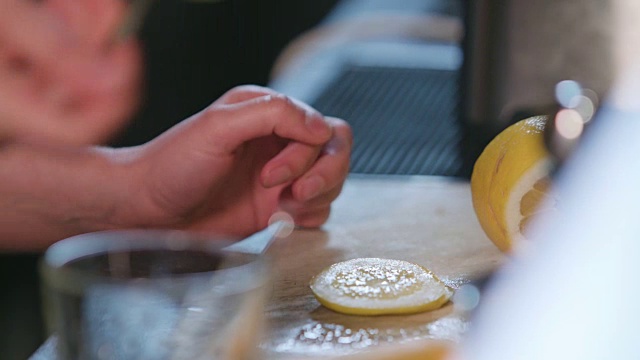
(54, 272)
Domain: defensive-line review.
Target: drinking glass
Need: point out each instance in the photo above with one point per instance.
(147, 294)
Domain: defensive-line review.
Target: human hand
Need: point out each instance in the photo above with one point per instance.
(229, 168)
(63, 77)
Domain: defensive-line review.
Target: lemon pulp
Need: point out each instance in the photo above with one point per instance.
(374, 286)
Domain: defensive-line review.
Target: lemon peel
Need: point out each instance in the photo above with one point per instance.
(510, 180)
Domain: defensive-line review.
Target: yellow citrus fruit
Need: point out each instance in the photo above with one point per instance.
(510, 182)
(374, 286)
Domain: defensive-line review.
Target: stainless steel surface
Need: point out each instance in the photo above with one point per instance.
(518, 50)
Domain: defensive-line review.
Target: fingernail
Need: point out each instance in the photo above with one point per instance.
(335, 146)
(312, 187)
(317, 124)
(278, 176)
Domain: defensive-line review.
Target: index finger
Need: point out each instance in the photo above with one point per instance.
(247, 92)
(40, 32)
(232, 125)
(93, 22)
(27, 27)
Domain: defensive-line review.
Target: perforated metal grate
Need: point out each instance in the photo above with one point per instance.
(404, 120)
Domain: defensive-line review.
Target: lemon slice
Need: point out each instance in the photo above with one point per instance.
(510, 182)
(374, 286)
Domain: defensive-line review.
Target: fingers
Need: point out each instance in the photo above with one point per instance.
(84, 96)
(312, 213)
(263, 116)
(331, 168)
(316, 169)
(93, 22)
(94, 60)
(42, 32)
(292, 162)
(85, 111)
(243, 93)
(312, 193)
(26, 27)
(103, 105)
(248, 92)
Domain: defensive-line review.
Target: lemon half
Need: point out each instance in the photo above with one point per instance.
(510, 182)
(374, 286)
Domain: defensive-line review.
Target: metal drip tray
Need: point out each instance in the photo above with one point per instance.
(404, 120)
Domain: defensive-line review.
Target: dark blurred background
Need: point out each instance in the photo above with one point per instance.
(391, 69)
(195, 51)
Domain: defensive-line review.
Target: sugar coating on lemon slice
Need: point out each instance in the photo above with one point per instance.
(374, 286)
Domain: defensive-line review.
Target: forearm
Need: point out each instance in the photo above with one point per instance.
(49, 193)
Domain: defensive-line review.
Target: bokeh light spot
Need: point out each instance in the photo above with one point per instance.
(566, 91)
(288, 223)
(569, 124)
(466, 298)
(584, 106)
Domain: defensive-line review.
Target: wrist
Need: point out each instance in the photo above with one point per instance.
(51, 192)
(122, 206)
